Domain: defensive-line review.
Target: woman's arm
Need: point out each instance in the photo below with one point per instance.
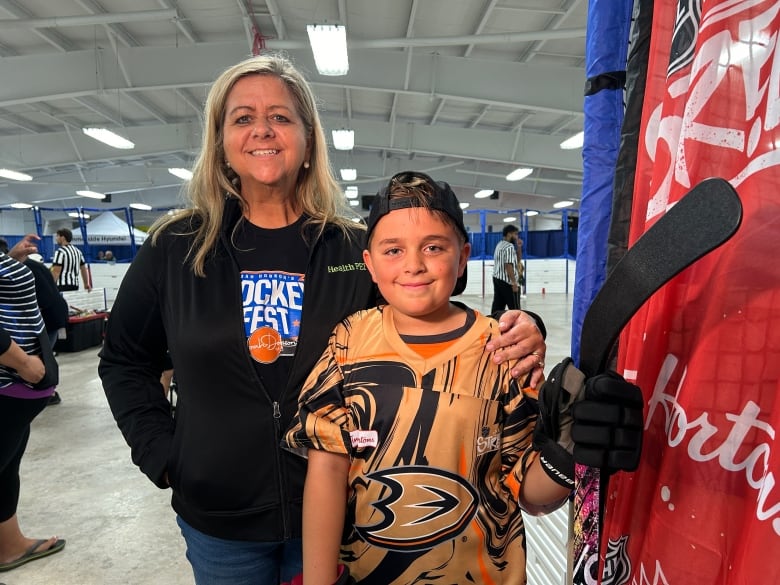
(324, 510)
(29, 367)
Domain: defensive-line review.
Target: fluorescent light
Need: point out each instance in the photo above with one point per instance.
(107, 137)
(184, 174)
(464, 205)
(141, 206)
(21, 205)
(575, 141)
(348, 174)
(484, 194)
(351, 192)
(518, 174)
(329, 47)
(343, 139)
(561, 204)
(354, 202)
(77, 214)
(14, 175)
(91, 194)
(509, 219)
(531, 213)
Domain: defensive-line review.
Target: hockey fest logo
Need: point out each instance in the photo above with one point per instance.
(272, 305)
(420, 508)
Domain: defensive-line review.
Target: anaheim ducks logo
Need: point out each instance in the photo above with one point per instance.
(420, 507)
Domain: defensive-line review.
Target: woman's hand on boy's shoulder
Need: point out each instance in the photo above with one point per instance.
(520, 339)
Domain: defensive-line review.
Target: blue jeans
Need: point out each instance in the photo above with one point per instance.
(216, 561)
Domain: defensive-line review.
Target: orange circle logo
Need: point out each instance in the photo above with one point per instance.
(265, 345)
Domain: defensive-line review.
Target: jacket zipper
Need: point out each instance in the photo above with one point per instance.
(277, 412)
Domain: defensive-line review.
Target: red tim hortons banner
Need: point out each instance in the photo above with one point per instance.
(704, 506)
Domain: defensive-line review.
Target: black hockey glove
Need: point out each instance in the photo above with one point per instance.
(552, 434)
(608, 424)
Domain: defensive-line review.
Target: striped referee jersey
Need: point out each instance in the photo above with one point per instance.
(71, 260)
(505, 253)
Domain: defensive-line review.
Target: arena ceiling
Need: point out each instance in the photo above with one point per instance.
(464, 90)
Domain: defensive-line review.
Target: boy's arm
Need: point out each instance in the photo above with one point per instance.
(324, 510)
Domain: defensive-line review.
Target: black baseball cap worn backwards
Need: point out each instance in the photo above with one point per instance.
(442, 199)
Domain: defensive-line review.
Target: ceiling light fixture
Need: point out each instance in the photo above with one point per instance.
(76, 214)
(351, 192)
(562, 204)
(575, 141)
(531, 213)
(483, 194)
(464, 205)
(21, 205)
(510, 219)
(354, 202)
(329, 47)
(348, 174)
(91, 194)
(141, 206)
(343, 139)
(107, 137)
(184, 174)
(518, 174)
(15, 175)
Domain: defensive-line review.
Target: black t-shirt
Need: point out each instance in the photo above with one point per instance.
(273, 266)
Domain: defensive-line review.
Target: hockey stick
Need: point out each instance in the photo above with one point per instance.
(706, 217)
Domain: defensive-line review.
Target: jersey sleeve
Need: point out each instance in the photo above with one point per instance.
(57, 259)
(520, 410)
(323, 420)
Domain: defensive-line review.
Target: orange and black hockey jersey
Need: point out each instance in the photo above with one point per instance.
(436, 447)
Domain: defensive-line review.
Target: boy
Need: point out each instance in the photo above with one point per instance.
(414, 435)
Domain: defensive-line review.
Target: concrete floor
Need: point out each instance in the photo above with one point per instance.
(78, 481)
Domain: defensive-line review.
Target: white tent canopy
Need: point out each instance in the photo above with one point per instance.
(108, 230)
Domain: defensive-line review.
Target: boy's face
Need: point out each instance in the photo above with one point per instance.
(415, 258)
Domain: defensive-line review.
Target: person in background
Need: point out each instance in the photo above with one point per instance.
(68, 262)
(221, 286)
(427, 448)
(506, 276)
(521, 267)
(53, 307)
(20, 368)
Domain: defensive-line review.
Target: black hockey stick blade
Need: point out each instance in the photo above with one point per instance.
(706, 217)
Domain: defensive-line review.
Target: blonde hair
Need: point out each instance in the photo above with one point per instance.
(318, 193)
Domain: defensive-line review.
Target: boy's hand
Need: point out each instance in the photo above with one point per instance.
(608, 424)
(596, 422)
(344, 577)
(553, 431)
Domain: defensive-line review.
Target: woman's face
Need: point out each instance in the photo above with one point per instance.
(264, 138)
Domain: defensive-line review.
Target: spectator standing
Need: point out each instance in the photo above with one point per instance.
(68, 262)
(21, 368)
(506, 276)
(53, 307)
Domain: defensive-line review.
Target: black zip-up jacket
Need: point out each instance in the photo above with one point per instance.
(221, 454)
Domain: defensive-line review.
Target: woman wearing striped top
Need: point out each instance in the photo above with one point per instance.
(20, 368)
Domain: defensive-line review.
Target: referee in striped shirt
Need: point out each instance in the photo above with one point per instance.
(506, 277)
(68, 262)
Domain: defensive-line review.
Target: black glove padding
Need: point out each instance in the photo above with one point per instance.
(552, 434)
(608, 422)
